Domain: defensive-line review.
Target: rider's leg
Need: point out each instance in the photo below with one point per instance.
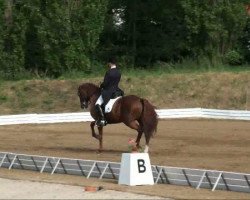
(101, 121)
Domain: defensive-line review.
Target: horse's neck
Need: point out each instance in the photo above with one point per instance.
(94, 98)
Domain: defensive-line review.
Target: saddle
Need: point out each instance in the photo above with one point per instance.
(108, 107)
(118, 93)
(115, 96)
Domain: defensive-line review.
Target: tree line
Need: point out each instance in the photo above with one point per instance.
(51, 37)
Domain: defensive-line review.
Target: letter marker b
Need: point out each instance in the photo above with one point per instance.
(141, 165)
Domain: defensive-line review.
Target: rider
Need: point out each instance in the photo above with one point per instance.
(109, 86)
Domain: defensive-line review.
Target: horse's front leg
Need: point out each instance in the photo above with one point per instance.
(92, 125)
(100, 129)
(138, 139)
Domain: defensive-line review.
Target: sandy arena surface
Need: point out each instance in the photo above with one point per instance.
(38, 190)
(207, 144)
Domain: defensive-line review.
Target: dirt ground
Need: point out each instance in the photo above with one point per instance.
(41, 190)
(208, 144)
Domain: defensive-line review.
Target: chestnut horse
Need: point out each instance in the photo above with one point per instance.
(135, 112)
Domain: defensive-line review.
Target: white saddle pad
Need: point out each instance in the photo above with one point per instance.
(110, 104)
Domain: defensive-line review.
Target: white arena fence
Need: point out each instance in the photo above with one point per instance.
(197, 178)
(163, 114)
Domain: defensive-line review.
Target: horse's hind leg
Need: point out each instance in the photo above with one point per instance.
(147, 143)
(100, 129)
(92, 125)
(136, 126)
(146, 137)
(138, 139)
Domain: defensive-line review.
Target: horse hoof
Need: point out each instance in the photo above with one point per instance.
(139, 148)
(99, 152)
(146, 149)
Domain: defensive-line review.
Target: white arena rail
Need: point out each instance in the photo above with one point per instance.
(163, 114)
(197, 178)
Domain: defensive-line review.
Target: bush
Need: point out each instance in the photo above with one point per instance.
(233, 58)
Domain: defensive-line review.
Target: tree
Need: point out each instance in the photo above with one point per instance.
(69, 33)
(13, 38)
(245, 42)
(213, 27)
(159, 33)
(147, 31)
(2, 21)
(86, 24)
(170, 31)
(48, 37)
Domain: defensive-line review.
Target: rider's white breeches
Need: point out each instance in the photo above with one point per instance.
(99, 100)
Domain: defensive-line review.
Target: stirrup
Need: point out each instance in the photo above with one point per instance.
(101, 122)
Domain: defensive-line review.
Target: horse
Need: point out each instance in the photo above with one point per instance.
(135, 112)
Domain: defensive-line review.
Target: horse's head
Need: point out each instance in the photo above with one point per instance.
(84, 99)
(85, 92)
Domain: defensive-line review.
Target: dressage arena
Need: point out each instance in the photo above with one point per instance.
(191, 143)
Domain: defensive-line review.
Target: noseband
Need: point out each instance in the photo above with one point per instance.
(85, 102)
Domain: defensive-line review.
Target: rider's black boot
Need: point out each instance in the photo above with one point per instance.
(101, 121)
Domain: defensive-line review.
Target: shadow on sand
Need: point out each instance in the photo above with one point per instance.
(82, 150)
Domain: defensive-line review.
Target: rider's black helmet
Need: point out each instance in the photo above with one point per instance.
(112, 60)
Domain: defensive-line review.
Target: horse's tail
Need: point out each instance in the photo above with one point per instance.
(149, 119)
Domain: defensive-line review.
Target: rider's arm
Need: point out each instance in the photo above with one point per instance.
(105, 81)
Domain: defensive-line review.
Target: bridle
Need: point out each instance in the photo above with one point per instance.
(85, 101)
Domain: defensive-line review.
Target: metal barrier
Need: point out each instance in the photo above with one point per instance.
(197, 178)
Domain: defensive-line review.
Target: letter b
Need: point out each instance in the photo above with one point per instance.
(141, 166)
(135, 169)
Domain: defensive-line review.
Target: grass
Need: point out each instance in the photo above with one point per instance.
(3, 99)
(158, 69)
(165, 85)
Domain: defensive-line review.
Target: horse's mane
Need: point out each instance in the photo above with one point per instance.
(90, 87)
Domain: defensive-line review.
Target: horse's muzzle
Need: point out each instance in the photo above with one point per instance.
(84, 105)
